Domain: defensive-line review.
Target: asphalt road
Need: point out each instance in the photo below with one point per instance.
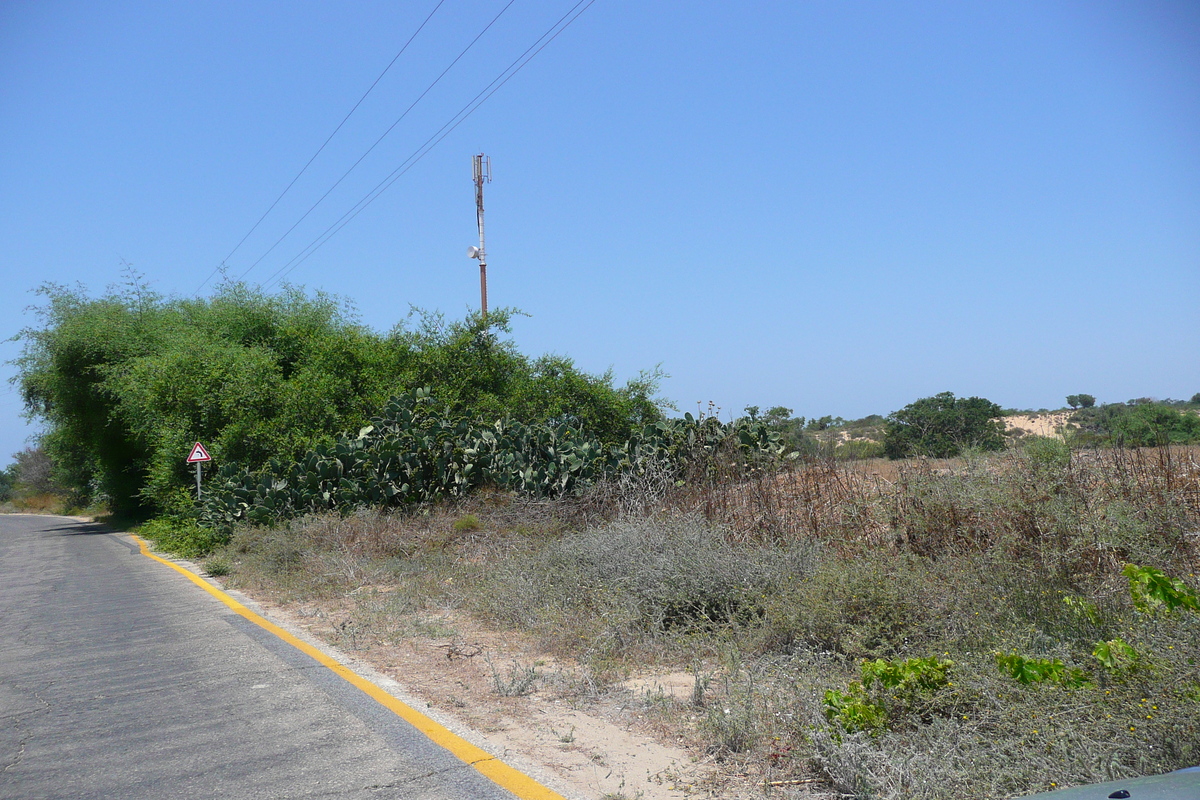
(121, 679)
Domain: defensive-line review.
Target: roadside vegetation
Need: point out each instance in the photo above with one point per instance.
(980, 627)
(127, 381)
(27, 485)
(975, 616)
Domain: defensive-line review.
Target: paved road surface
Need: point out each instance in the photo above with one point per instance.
(120, 679)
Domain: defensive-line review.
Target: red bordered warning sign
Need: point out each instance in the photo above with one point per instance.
(198, 454)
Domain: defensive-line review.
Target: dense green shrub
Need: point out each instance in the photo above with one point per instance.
(943, 426)
(420, 450)
(886, 692)
(126, 382)
(8, 481)
(1136, 424)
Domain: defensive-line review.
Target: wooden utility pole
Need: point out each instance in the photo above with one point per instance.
(483, 174)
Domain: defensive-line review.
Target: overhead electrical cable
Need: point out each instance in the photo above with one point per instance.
(307, 164)
(504, 77)
(411, 106)
(468, 109)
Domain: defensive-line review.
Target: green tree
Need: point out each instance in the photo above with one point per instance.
(8, 482)
(62, 374)
(943, 426)
(1153, 424)
(1144, 424)
(127, 381)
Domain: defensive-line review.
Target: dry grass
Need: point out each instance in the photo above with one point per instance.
(772, 590)
(44, 503)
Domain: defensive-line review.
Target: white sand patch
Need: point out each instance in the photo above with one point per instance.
(1049, 425)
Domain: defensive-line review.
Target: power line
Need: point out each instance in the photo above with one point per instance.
(432, 142)
(307, 164)
(428, 89)
(457, 119)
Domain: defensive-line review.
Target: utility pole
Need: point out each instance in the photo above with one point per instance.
(483, 174)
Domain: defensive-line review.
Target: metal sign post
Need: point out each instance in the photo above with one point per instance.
(198, 456)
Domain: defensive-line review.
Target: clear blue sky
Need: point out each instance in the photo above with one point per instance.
(837, 207)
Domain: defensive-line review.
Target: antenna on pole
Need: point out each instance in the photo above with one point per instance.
(483, 174)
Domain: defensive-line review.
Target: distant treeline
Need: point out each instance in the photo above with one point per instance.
(943, 425)
(1138, 423)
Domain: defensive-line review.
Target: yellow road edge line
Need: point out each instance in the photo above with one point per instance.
(495, 770)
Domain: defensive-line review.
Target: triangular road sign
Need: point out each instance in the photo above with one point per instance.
(198, 454)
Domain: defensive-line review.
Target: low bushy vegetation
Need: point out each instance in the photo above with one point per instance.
(981, 627)
(1138, 423)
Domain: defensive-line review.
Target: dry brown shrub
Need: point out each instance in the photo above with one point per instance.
(819, 499)
(44, 503)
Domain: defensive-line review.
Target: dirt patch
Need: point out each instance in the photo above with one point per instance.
(543, 715)
(1050, 425)
(677, 685)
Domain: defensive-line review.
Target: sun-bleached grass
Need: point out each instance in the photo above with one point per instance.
(773, 591)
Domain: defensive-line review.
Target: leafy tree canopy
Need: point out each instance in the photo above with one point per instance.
(1138, 424)
(127, 381)
(943, 426)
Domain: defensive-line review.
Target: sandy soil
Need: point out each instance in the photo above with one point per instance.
(1049, 424)
(608, 745)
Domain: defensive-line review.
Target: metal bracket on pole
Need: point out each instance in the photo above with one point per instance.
(483, 174)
